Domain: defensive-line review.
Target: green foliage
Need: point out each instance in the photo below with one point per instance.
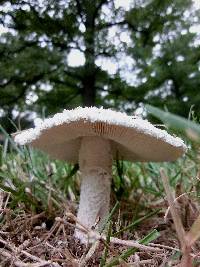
(30, 177)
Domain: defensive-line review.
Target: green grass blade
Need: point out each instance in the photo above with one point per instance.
(189, 128)
(110, 216)
(1, 155)
(150, 237)
(10, 140)
(105, 254)
(147, 239)
(137, 222)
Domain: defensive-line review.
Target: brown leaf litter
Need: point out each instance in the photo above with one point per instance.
(44, 239)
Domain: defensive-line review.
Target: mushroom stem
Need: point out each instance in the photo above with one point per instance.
(95, 162)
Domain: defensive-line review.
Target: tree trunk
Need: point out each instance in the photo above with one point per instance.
(89, 77)
(88, 92)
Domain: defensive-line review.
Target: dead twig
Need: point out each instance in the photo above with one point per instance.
(186, 260)
(175, 201)
(17, 262)
(90, 253)
(93, 235)
(175, 216)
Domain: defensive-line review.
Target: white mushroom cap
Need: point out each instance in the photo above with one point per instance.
(132, 138)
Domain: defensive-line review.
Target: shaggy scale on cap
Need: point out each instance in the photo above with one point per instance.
(132, 138)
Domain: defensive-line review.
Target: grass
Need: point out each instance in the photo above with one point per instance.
(38, 194)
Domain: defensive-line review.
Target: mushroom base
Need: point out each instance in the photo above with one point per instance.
(95, 161)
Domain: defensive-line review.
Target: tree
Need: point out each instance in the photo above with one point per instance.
(168, 54)
(35, 74)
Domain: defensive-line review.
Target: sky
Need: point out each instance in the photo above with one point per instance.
(197, 3)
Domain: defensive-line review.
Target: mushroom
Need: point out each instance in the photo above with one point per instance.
(95, 137)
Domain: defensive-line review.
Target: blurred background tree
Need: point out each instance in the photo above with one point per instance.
(61, 54)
